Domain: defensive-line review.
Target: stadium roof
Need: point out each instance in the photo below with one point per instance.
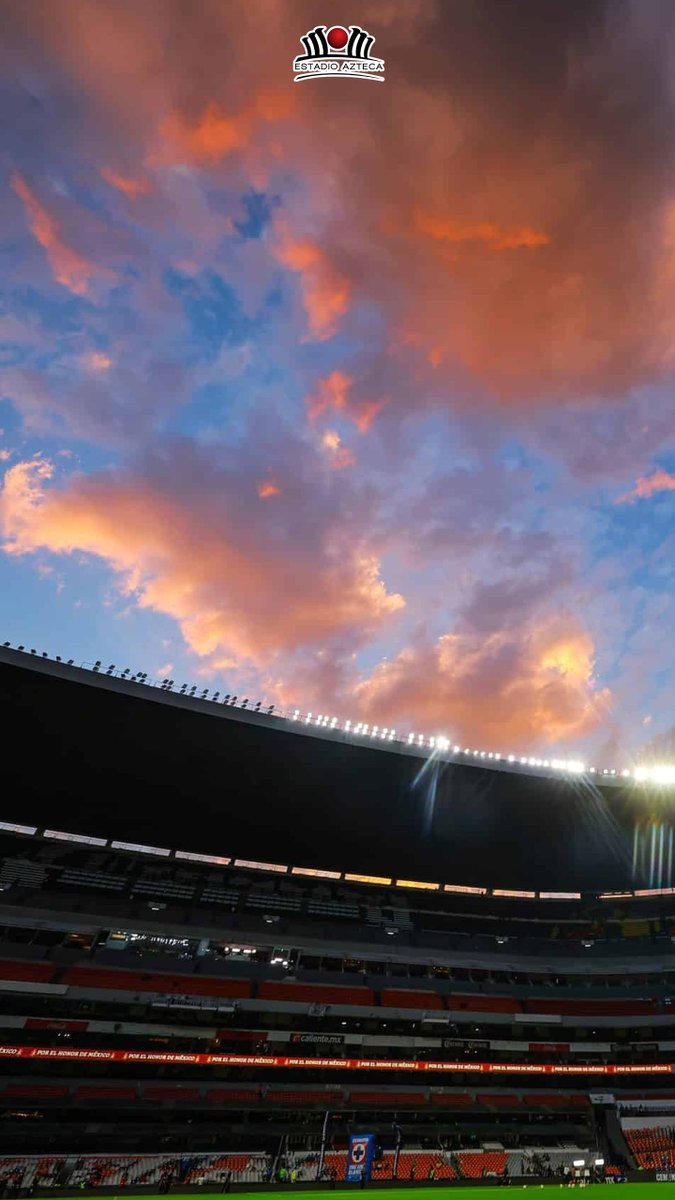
(109, 757)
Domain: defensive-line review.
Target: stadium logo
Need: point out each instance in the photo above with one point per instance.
(337, 51)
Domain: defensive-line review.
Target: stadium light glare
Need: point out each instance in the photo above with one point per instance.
(663, 774)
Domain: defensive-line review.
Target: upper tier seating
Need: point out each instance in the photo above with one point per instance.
(310, 993)
(155, 981)
(27, 972)
(404, 998)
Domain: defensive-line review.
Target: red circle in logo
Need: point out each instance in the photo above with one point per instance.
(337, 37)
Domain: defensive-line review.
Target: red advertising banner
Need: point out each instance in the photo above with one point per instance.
(335, 1064)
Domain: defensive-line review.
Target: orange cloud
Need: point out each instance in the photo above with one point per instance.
(333, 394)
(131, 188)
(340, 455)
(326, 294)
(70, 268)
(507, 691)
(193, 558)
(489, 234)
(265, 490)
(566, 288)
(215, 133)
(96, 361)
(660, 481)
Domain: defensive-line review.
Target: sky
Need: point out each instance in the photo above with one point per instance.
(349, 395)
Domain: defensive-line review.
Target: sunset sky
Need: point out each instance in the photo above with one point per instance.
(351, 395)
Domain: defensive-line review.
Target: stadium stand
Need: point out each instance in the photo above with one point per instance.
(169, 1016)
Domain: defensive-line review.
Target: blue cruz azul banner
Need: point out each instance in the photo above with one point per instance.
(360, 1157)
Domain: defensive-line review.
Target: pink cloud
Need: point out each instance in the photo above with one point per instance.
(131, 188)
(216, 133)
(340, 456)
(190, 554)
(70, 268)
(523, 686)
(334, 394)
(472, 209)
(268, 489)
(650, 485)
(326, 293)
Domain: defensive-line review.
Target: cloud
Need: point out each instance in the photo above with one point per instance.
(340, 456)
(474, 205)
(131, 188)
(518, 688)
(215, 133)
(445, 229)
(326, 293)
(268, 489)
(333, 394)
(96, 360)
(181, 541)
(651, 485)
(70, 268)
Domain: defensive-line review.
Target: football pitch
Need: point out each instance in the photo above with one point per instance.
(638, 1191)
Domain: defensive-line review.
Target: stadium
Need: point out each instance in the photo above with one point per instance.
(295, 957)
(337, 598)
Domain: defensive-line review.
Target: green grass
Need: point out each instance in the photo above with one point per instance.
(638, 1191)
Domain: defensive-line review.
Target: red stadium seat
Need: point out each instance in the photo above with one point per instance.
(36, 1091)
(652, 1146)
(155, 981)
(402, 998)
(310, 993)
(409, 1099)
(451, 1099)
(105, 1093)
(498, 1100)
(28, 972)
(460, 1003)
(488, 1162)
(592, 1008)
(170, 1094)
